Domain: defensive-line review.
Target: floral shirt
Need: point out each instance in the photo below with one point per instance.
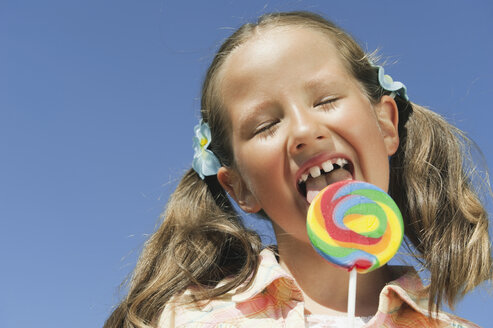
(274, 300)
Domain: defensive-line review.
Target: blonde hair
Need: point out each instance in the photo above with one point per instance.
(201, 239)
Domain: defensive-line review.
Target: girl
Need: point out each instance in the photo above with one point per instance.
(289, 105)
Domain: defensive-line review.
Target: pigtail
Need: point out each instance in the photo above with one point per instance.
(200, 242)
(445, 220)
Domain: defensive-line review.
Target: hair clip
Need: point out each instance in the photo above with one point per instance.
(387, 83)
(205, 163)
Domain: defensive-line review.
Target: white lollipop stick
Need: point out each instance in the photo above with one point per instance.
(351, 299)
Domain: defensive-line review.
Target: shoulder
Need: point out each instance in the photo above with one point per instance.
(262, 301)
(404, 302)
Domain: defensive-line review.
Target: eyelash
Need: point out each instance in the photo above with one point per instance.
(327, 104)
(267, 130)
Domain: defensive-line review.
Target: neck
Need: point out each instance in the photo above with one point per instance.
(325, 286)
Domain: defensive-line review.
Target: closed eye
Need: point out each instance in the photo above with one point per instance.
(267, 129)
(327, 104)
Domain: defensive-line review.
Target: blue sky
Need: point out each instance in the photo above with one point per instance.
(98, 100)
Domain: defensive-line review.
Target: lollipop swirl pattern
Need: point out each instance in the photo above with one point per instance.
(355, 224)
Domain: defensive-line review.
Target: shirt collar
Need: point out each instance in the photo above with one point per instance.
(407, 288)
(269, 272)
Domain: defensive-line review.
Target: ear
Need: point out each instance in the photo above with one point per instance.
(234, 185)
(388, 120)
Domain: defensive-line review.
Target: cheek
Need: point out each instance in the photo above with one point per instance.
(358, 127)
(360, 130)
(259, 155)
(262, 169)
(261, 166)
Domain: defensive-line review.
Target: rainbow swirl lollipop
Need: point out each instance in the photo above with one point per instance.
(355, 224)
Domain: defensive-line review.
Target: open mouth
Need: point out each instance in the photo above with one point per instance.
(320, 176)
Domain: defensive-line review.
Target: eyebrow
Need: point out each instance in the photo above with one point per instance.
(253, 109)
(321, 82)
(317, 83)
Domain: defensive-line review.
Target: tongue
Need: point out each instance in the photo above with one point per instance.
(315, 185)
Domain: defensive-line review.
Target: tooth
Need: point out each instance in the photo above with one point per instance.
(339, 162)
(344, 161)
(315, 171)
(304, 177)
(327, 166)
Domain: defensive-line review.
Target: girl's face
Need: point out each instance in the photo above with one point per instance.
(294, 110)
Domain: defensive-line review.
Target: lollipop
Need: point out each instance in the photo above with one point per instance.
(355, 224)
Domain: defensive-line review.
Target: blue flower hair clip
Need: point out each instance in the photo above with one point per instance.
(387, 83)
(205, 163)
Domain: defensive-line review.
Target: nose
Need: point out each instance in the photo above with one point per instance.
(305, 130)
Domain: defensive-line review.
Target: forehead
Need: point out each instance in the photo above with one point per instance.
(279, 58)
(271, 45)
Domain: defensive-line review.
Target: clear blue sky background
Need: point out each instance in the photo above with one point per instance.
(98, 100)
